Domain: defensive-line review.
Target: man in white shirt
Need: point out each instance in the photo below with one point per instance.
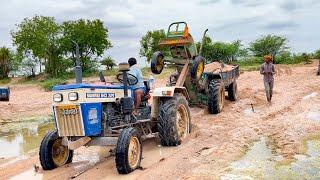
(138, 88)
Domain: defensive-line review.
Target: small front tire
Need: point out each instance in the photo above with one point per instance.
(52, 153)
(128, 151)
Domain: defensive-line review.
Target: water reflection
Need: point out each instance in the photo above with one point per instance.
(19, 138)
(260, 163)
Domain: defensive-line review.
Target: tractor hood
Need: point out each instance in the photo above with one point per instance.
(89, 86)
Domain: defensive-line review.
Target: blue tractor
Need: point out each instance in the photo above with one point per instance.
(4, 93)
(102, 115)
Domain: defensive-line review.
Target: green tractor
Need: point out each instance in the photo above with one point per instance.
(205, 84)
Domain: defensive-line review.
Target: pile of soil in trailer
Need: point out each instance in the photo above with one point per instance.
(217, 67)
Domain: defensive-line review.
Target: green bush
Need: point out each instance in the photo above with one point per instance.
(5, 81)
(250, 61)
(49, 83)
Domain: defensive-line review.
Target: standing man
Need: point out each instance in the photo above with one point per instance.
(138, 88)
(267, 70)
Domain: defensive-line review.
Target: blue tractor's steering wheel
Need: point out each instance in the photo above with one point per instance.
(132, 80)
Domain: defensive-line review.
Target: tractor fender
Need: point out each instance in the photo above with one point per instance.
(170, 91)
(163, 92)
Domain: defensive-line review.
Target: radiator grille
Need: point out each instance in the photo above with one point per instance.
(69, 120)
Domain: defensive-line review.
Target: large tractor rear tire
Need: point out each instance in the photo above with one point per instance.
(197, 68)
(232, 91)
(52, 153)
(216, 96)
(174, 120)
(157, 62)
(128, 151)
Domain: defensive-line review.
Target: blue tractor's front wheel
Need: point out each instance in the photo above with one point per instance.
(52, 153)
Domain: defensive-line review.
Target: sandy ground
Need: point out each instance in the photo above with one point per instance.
(216, 140)
(26, 100)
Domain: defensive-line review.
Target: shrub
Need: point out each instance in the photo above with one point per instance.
(48, 84)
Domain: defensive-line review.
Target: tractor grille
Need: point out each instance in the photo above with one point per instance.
(69, 120)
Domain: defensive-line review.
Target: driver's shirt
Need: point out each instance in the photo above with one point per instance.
(135, 71)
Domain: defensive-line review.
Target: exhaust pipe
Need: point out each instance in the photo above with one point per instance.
(202, 43)
(78, 69)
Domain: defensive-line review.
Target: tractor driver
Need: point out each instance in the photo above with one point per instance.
(138, 88)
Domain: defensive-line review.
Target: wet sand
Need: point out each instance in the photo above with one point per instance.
(216, 140)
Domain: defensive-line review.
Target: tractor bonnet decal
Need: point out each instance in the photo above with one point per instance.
(100, 95)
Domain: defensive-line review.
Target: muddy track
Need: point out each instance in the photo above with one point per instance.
(216, 140)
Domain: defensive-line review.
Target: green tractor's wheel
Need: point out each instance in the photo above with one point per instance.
(174, 120)
(157, 62)
(52, 153)
(197, 68)
(128, 151)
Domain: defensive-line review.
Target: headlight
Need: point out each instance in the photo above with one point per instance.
(73, 96)
(57, 97)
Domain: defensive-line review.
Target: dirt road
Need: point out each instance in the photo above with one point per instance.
(216, 140)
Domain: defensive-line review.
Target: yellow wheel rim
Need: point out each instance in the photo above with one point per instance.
(60, 153)
(159, 63)
(200, 70)
(182, 121)
(134, 152)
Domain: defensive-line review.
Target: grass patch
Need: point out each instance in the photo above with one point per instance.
(5, 81)
(48, 84)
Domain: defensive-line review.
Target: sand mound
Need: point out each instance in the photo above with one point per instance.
(217, 67)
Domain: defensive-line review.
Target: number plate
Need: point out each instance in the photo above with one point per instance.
(68, 110)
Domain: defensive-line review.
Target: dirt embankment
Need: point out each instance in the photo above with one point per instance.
(216, 140)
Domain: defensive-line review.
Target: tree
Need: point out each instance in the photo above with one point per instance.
(221, 51)
(317, 54)
(28, 65)
(5, 62)
(108, 62)
(39, 35)
(149, 43)
(269, 44)
(90, 35)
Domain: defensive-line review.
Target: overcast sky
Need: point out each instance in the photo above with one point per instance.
(227, 20)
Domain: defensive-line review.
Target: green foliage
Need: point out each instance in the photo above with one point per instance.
(221, 51)
(150, 43)
(5, 62)
(91, 37)
(108, 62)
(316, 54)
(51, 43)
(49, 83)
(5, 81)
(39, 36)
(269, 44)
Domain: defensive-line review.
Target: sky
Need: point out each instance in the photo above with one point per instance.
(128, 20)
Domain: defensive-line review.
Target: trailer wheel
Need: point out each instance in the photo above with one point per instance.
(216, 96)
(52, 153)
(128, 151)
(232, 91)
(157, 62)
(174, 122)
(197, 68)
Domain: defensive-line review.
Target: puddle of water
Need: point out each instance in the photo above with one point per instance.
(260, 163)
(17, 139)
(310, 96)
(315, 116)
